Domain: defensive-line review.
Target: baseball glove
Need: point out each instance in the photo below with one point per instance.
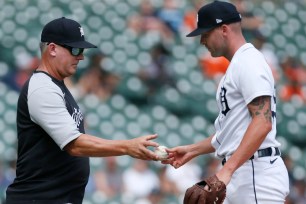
(214, 195)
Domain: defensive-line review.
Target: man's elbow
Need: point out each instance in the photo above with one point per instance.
(72, 149)
(267, 127)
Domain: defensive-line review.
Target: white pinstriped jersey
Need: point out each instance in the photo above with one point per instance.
(247, 77)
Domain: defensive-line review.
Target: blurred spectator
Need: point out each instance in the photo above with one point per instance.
(289, 201)
(298, 194)
(213, 67)
(4, 179)
(91, 186)
(189, 23)
(145, 21)
(7, 175)
(167, 186)
(259, 41)
(96, 80)
(157, 74)
(185, 176)
(109, 179)
(156, 196)
(289, 165)
(211, 167)
(139, 180)
(10, 172)
(295, 76)
(250, 22)
(25, 65)
(171, 15)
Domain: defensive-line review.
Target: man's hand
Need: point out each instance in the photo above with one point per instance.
(137, 147)
(224, 176)
(178, 156)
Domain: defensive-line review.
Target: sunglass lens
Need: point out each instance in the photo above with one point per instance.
(76, 51)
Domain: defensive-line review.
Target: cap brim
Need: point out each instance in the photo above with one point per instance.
(198, 31)
(81, 44)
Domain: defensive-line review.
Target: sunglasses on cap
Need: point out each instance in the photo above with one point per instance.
(73, 50)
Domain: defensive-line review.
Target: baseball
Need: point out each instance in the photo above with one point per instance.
(160, 151)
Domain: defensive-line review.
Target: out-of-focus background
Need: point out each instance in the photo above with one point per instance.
(147, 77)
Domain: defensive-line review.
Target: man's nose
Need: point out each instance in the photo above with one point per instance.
(80, 57)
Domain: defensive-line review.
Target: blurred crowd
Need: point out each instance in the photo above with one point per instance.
(169, 22)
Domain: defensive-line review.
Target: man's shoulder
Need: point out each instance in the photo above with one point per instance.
(248, 49)
(42, 83)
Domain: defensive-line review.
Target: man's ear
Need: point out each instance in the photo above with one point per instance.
(224, 28)
(52, 49)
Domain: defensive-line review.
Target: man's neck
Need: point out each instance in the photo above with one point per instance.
(47, 67)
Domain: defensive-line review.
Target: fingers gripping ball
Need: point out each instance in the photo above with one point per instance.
(214, 193)
(160, 151)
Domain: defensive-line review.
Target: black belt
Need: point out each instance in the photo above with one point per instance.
(262, 153)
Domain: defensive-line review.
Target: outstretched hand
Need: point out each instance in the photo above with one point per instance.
(178, 156)
(137, 147)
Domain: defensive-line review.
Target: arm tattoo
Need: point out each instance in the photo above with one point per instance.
(261, 106)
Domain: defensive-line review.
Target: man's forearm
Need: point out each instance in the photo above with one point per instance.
(202, 147)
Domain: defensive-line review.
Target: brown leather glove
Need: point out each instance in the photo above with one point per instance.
(214, 195)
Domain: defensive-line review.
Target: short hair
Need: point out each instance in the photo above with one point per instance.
(43, 46)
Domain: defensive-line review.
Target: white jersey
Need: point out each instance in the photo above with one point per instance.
(247, 77)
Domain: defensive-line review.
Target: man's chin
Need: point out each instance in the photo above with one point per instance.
(213, 54)
(75, 67)
(73, 70)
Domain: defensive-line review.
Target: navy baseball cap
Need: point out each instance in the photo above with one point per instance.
(213, 15)
(65, 31)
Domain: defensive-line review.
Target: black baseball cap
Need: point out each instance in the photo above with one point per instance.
(65, 31)
(213, 15)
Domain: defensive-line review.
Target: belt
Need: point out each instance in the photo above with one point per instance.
(262, 153)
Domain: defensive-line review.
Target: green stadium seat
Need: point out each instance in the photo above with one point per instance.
(3, 71)
(91, 102)
(145, 120)
(133, 129)
(268, 7)
(133, 89)
(104, 111)
(172, 100)
(174, 139)
(172, 121)
(92, 120)
(118, 120)
(291, 8)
